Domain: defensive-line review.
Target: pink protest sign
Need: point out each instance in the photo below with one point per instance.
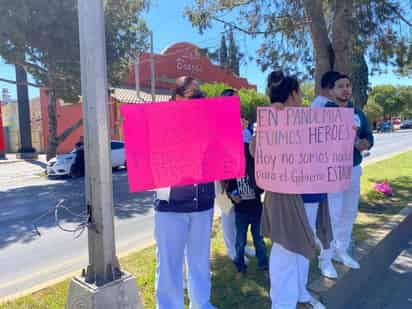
(304, 150)
(183, 142)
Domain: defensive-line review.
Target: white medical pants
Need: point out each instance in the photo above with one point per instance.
(288, 278)
(173, 233)
(343, 208)
(229, 232)
(289, 271)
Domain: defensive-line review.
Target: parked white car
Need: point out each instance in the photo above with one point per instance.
(61, 164)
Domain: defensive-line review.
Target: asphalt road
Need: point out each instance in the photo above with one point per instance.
(29, 260)
(394, 291)
(390, 143)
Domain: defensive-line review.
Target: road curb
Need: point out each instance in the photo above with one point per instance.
(10, 161)
(386, 157)
(375, 255)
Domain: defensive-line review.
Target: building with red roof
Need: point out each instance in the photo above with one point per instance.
(177, 60)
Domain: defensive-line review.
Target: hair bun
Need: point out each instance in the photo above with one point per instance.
(275, 79)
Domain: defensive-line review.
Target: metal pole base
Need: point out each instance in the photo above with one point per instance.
(119, 294)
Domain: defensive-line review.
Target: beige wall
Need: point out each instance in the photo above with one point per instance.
(11, 125)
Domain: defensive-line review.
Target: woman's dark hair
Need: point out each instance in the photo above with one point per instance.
(182, 84)
(197, 95)
(228, 93)
(280, 87)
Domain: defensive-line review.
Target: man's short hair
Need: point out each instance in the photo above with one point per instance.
(338, 77)
(328, 79)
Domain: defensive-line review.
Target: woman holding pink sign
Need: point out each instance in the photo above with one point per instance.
(286, 222)
(183, 223)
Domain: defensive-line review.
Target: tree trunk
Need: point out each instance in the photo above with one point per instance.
(52, 116)
(360, 78)
(342, 32)
(23, 111)
(320, 39)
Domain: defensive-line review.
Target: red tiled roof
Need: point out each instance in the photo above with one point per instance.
(129, 96)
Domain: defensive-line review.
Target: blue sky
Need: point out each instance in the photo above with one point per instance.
(169, 26)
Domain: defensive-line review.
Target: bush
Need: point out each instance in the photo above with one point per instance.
(249, 99)
(373, 111)
(308, 93)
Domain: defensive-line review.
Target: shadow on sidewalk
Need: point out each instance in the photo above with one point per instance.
(38, 163)
(21, 207)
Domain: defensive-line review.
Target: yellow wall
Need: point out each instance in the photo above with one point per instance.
(11, 125)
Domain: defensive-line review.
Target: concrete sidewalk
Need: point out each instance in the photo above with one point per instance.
(12, 158)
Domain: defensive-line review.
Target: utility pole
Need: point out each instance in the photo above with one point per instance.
(26, 150)
(2, 141)
(103, 285)
(152, 68)
(136, 68)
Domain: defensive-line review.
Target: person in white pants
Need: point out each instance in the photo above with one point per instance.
(285, 221)
(312, 204)
(183, 224)
(343, 210)
(228, 218)
(229, 232)
(344, 205)
(191, 231)
(289, 272)
(325, 265)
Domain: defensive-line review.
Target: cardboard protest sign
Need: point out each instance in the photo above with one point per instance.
(183, 142)
(304, 150)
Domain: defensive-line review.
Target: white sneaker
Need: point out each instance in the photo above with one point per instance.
(316, 304)
(327, 269)
(346, 259)
(249, 251)
(246, 260)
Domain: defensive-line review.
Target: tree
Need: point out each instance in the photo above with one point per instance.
(373, 111)
(302, 34)
(360, 78)
(405, 94)
(46, 33)
(394, 101)
(223, 56)
(249, 99)
(308, 93)
(213, 90)
(234, 55)
(213, 55)
(23, 105)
